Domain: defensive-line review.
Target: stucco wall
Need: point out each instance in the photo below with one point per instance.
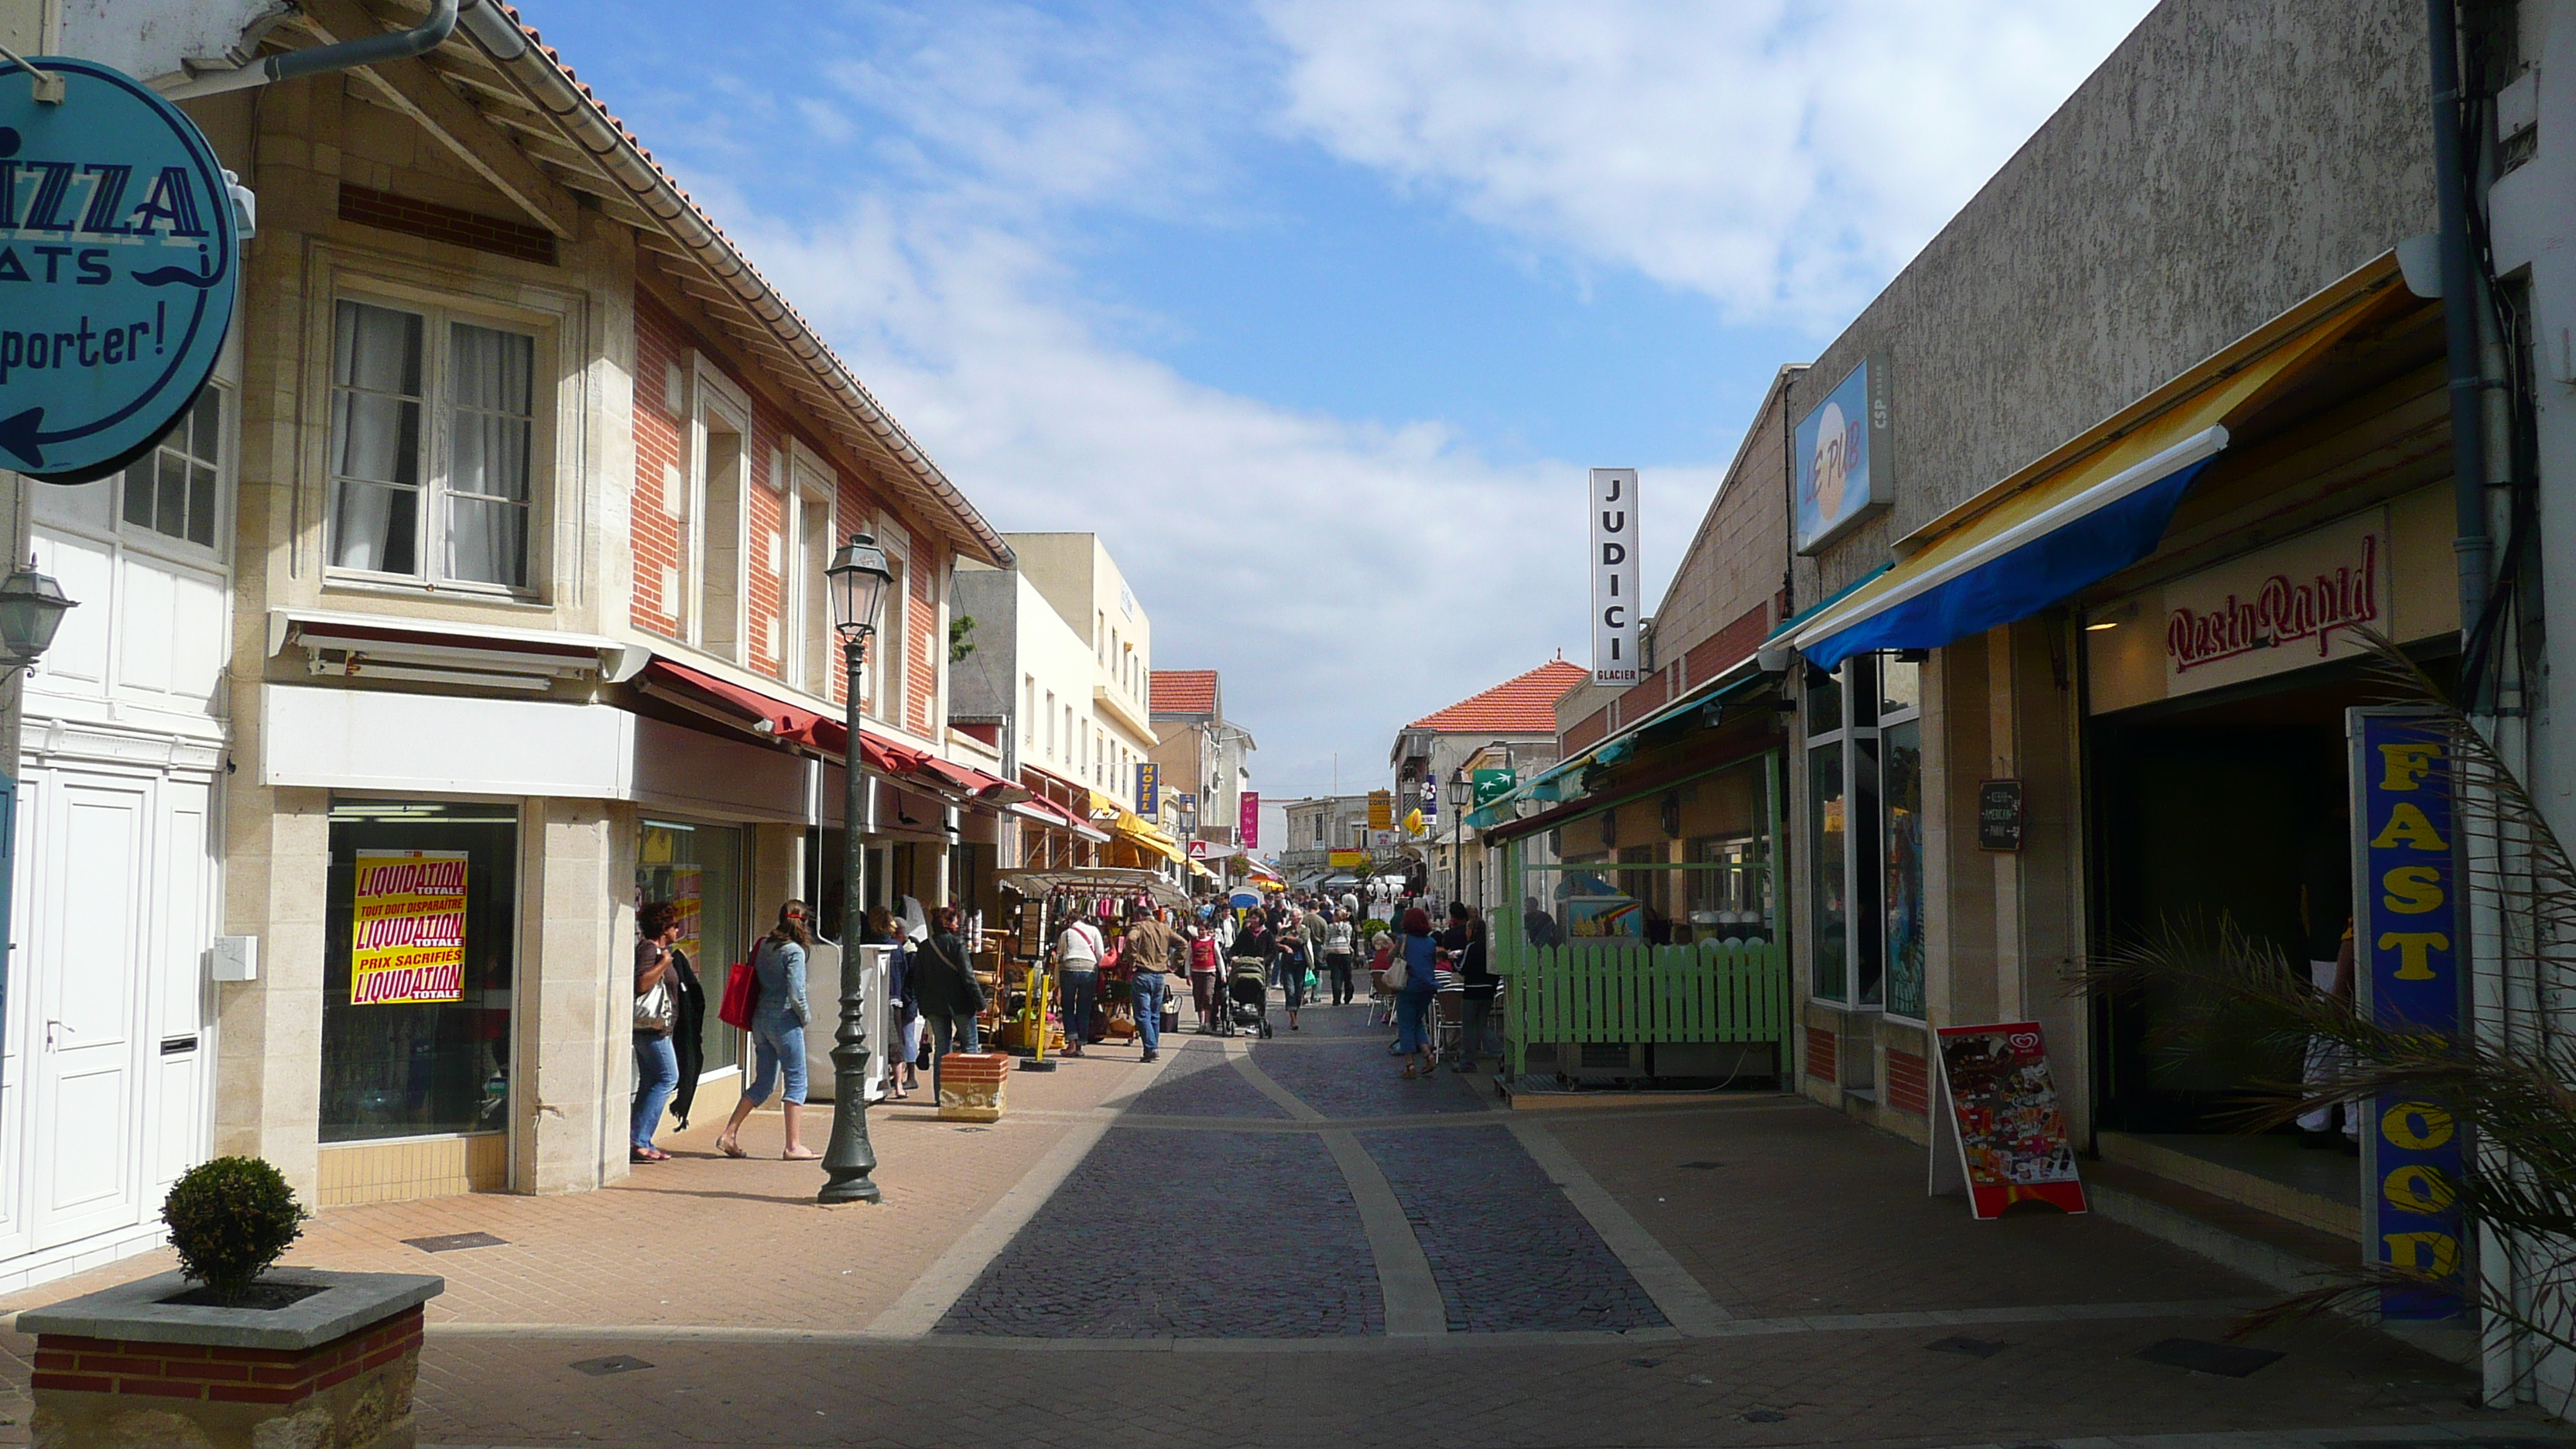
(2225, 162)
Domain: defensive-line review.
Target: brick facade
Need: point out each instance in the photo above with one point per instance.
(1824, 1062)
(213, 1374)
(1909, 1083)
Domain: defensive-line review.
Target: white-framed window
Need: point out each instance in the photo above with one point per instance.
(1050, 724)
(885, 668)
(806, 591)
(1029, 713)
(435, 446)
(175, 493)
(1864, 733)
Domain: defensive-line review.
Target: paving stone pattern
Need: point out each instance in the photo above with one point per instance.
(1361, 1080)
(1185, 1235)
(1509, 1252)
(1200, 1082)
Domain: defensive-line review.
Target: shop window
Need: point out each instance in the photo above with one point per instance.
(702, 870)
(172, 491)
(418, 963)
(433, 447)
(1864, 814)
(1901, 799)
(1829, 885)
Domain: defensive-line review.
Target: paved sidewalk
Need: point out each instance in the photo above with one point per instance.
(1215, 1250)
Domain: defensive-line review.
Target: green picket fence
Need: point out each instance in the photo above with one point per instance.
(1596, 992)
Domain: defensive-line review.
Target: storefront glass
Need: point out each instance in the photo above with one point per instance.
(1902, 800)
(419, 956)
(701, 869)
(1830, 931)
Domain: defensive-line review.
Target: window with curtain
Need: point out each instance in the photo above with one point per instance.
(433, 444)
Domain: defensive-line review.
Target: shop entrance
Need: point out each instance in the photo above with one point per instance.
(2224, 807)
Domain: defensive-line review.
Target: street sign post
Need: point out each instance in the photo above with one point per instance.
(120, 259)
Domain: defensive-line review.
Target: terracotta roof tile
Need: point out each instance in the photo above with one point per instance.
(1522, 706)
(1184, 691)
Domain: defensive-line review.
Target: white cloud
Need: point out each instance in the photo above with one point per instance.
(1782, 156)
(1345, 576)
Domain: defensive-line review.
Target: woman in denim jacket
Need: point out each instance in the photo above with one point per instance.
(778, 1017)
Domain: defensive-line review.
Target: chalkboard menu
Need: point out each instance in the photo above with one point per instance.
(1999, 815)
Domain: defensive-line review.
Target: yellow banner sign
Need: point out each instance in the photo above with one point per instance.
(408, 943)
(1346, 857)
(1381, 810)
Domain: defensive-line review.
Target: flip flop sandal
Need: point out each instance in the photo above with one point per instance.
(730, 1149)
(800, 1157)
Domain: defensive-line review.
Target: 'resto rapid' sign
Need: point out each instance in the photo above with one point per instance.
(1614, 578)
(119, 261)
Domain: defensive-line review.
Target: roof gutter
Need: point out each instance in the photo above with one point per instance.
(421, 39)
(545, 83)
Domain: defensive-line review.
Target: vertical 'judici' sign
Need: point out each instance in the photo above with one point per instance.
(2410, 944)
(1614, 576)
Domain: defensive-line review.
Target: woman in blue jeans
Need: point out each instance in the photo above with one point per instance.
(1421, 955)
(778, 1017)
(657, 1066)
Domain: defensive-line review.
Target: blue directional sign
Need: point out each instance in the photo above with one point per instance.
(119, 264)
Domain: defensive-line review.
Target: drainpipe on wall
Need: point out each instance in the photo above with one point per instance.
(346, 55)
(2460, 297)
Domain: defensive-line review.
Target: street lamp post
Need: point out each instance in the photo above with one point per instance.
(858, 579)
(1461, 790)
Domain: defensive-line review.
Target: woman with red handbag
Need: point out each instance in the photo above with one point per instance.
(777, 1032)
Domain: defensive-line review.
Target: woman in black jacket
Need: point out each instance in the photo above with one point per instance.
(945, 989)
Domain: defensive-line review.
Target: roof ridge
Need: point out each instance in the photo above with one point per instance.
(1522, 704)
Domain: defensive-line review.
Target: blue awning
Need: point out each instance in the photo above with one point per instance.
(2015, 570)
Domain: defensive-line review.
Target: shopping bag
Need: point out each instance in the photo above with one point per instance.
(742, 989)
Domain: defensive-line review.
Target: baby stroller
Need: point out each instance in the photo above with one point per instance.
(1247, 997)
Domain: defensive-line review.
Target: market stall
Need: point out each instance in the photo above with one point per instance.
(1023, 1015)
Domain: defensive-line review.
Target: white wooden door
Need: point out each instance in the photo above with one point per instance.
(86, 954)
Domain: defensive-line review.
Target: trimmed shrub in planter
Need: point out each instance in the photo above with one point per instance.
(230, 1219)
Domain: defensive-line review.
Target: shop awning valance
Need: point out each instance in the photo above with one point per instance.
(784, 720)
(2090, 508)
(1135, 830)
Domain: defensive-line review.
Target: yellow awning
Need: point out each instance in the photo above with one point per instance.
(2091, 507)
(1137, 831)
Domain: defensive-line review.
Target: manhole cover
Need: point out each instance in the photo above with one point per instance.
(1972, 1347)
(614, 1364)
(450, 1242)
(2228, 1359)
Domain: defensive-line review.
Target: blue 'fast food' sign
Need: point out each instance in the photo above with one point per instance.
(2410, 943)
(119, 263)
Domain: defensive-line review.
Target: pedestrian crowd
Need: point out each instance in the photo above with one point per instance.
(1307, 948)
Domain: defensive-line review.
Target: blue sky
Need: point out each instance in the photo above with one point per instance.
(1317, 309)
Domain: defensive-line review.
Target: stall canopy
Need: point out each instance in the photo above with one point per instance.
(1107, 880)
(2090, 508)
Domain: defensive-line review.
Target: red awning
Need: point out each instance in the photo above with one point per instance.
(792, 723)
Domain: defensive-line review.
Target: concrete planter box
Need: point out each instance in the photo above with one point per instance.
(121, 1369)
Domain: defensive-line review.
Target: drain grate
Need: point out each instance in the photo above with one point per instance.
(1764, 1416)
(2227, 1359)
(1972, 1347)
(1702, 1166)
(614, 1364)
(450, 1242)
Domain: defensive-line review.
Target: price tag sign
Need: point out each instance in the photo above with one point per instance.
(1999, 817)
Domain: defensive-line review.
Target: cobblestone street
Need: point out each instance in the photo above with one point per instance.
(1278, 1242)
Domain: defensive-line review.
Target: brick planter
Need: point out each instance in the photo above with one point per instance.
(122, 1369)
(970, 1086)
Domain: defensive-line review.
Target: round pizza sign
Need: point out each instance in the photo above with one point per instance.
(119, 262)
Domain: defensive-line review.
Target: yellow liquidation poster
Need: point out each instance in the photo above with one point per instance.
(409, 938)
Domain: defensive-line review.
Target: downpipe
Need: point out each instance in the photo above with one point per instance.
(345, 55)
